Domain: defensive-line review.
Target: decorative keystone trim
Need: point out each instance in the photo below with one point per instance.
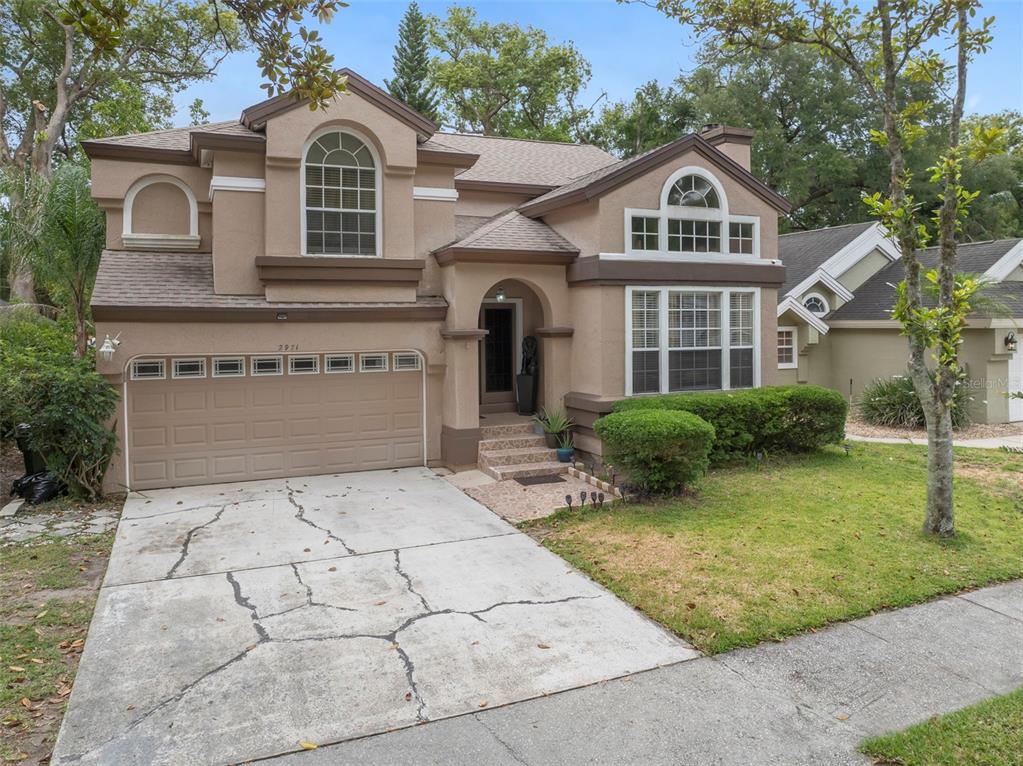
(236, 183)
(434, 193)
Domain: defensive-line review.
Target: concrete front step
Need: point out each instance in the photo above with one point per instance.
(507, 430)
(502, 472)
(505, 457)
(511, 442)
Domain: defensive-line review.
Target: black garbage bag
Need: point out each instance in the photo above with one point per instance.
(38, 488)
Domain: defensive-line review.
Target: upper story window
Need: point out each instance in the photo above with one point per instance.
(693, 221)
(817, 304)
(341, 197)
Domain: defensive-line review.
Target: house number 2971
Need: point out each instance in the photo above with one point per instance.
(288, 347)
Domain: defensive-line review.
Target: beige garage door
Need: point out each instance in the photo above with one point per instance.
(218, 419)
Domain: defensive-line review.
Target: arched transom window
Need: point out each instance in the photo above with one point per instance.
(340, 197)
(693, 221)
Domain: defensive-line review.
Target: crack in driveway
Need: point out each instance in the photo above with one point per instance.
(300, 515)
(188, 541)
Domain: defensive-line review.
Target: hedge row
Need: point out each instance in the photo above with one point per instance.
(774, 419)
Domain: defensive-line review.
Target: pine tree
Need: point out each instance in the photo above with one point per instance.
(411, 61)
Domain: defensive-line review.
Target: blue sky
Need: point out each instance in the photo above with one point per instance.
(626, 46)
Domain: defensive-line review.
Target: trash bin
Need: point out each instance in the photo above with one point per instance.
(34, 462)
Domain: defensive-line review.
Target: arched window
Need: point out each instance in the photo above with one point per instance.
(340, 196)
(693, 191)
(817, 304)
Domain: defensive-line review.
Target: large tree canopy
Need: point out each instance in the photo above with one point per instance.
(506, 80)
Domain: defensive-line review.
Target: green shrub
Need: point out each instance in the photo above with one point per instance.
(771, 419)
(893, 402)
(661, 451)
(67, 403)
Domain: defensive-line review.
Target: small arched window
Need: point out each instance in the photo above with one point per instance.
(340, 196)
(693, 191)
(816, 304)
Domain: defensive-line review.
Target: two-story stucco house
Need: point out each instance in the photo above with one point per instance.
(302, 292)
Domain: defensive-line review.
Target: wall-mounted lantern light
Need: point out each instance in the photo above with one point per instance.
(106, 351)
(500, 296)
(1011, 343)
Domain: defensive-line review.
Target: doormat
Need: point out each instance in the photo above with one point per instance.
(528, 481)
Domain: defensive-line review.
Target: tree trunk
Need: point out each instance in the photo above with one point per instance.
(940, 519)
(81, 334)
(22, 283)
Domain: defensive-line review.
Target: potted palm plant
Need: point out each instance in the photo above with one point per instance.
(554, 423)
(566, 447)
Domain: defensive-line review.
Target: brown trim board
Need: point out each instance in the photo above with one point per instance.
(426, 156)
(601, 271)
(312, 313)
(452, 255)
(333, 269)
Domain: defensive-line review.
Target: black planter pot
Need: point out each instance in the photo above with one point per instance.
(525, 393)
(551, 440)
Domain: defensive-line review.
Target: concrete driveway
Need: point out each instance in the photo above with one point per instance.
(239, 621)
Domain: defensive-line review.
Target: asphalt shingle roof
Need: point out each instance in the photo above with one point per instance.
(177, 139)
(513, 231)
(803, 252)
(183, 280)
(875, 298)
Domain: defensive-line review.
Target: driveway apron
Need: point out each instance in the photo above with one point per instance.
(239, 621)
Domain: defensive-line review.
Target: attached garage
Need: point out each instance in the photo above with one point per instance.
(202, 420)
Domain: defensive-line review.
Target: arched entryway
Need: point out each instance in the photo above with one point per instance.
(510, 312)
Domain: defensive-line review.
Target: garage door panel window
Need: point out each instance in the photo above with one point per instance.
(189, 368)
(372, 362)
(228, 367)
(303, 365)
(406, 361)
(148, 369)
(267, 365)
(340, 363)
(691, 339)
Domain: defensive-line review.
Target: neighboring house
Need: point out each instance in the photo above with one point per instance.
(834, 315)
(304, 292)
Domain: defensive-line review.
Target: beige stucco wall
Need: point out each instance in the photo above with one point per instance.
(473, 202)
(160, 208)
(579, 224)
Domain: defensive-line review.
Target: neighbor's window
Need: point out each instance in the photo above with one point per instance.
(303, 365)
(693, 191)
(339, 363)
(267, 365)
(644, 233)
(340, 197)
(786, 347)
(189, 368)
(372, 362)
(740, 238)
(816, 304)
(711, 339)
(228, 367)
(406, 360)
(694, 236)
(148, 369)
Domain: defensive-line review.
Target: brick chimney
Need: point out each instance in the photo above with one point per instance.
(734, 142)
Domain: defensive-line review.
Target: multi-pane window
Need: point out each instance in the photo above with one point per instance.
(340, 363)
(740, 238)
(267, 365)
(686, 236)
(693, 191)
(189, 368)
(303, 365)
(644, 233)
(372, 362)
(709, 339)
(406, 360)
(646, 343)
(147, 369)
(816, 304)
(741, 340)
(340, 197)
(228, 367)
(786, 347)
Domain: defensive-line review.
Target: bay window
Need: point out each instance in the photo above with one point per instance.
(691, 339)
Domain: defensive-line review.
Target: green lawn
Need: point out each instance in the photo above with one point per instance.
(804, 541)
(988, 734)
(47, 592)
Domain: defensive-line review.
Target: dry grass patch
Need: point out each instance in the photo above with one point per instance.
(804, 541)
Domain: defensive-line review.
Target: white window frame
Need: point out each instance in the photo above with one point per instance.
(400, 358)
(256, 374)
(726, 335)
(218, 359)
(292, 358)
(378, 179)
(825, 301)
(679, 212)
(362, 361)
(175, 375)
(795, 343)
(331, 357)
(161, 376)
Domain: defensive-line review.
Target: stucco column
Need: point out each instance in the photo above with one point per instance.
(460, 432)
(555, 364)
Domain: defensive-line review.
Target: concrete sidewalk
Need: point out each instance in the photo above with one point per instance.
(1014, 441)
(809, 700)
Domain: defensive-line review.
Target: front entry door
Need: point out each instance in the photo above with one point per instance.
(497, 365)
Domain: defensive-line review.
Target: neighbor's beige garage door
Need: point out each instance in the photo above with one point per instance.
(198, 429)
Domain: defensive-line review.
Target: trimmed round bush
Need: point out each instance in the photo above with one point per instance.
(893, 402)
(770, 419)
(661, 450)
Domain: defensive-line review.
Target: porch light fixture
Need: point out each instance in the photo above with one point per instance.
(500, 295)
(1010, 342)
(106, 351)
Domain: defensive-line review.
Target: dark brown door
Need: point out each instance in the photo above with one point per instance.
(497, 367)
